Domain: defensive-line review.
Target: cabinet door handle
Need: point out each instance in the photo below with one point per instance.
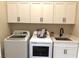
(64, 19)
(41, 19)
(65, 51)
(18, 19)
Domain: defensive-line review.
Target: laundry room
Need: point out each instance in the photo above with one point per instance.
(45, 29)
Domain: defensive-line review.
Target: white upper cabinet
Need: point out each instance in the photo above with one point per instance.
(47, 12)
(18, 12)
(24, 12)
(12, 12)
(36, 12)
(41, 12)
(64, 12)
(70, 12)
(59, 12)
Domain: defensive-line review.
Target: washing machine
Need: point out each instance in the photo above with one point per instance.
(40, 47)
(16, 45)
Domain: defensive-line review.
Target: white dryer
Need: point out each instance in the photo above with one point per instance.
(40, 47)
(16, 45)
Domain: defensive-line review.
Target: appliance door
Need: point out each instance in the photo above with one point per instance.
(40, 50)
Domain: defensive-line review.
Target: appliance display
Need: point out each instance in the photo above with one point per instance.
(16, 45)
(40, 46)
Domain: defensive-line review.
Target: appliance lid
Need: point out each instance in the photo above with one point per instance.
(18, 36)
(18, 32)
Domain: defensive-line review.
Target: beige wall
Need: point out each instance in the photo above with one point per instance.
(76, 27)
(4, 29)
(50, 27)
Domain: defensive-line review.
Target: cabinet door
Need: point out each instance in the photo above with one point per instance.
(12, 12)
(47, 12)
(65, 52)
(70, 52)
(70, 12)
(24, 12)
(59, 12)
(36, 12)
(58, 52)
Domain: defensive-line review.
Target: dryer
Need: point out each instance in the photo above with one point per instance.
(16, 45)
(40, 47)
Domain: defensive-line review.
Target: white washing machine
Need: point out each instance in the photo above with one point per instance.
(16, 45)
(40, 47)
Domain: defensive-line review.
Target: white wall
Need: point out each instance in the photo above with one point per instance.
(4, 28)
